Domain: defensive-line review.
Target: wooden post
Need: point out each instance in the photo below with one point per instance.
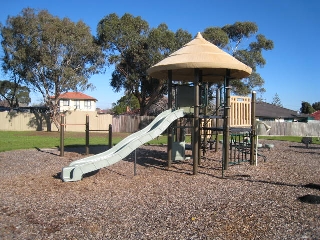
(199, 119)
(169, 146)
(205, 113)
(87, 134)
(253, 128)
(62, 136)
(196, 132)
(217, 120)
(226, 128)
(110, 136)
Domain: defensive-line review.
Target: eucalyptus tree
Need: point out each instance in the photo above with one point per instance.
(131, 46)
(13, 93)
(242, 41)
(51, 55)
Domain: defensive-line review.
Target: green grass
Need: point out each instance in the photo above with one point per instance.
(13, 140)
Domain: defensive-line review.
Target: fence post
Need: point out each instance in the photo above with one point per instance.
(62, 136)
(87, 134)
(110, 136)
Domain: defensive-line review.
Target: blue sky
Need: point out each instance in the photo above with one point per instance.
(292, 70)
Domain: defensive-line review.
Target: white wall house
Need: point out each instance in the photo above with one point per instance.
(76, 101)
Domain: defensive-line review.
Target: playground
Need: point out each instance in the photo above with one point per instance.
(272, 200)
(240, 188)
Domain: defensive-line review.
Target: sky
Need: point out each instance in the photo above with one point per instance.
(292, 69)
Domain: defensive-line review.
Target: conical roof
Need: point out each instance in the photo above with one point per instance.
(201, 54)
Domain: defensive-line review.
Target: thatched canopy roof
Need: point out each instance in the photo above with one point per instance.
(203, 55)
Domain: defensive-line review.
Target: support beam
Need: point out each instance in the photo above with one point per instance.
(253, 129)
(200, 83)
(196, 133)
(217, 120)
(170, 136)
(226, 125)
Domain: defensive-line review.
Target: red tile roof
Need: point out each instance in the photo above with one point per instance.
(316, 115)
(76, 95)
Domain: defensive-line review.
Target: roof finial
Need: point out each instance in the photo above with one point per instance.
(199, 35)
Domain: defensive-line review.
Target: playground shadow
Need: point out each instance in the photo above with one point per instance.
(58, 174)
(310, 150)
(76, 149)
(157, 159)
(81, 149)
(309, 198)
(147, 158)
(246, 177)
(311, 146)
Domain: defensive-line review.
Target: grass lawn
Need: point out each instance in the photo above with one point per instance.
(13, 140)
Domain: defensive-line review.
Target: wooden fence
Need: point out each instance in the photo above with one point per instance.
(12, 121)
(129, 124)
(39, 122)
(240, 111)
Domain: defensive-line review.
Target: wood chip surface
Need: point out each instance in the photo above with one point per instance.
(277, 199)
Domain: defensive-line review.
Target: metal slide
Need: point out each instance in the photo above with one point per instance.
(78, 168)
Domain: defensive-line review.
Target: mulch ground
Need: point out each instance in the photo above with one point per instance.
(277, 199)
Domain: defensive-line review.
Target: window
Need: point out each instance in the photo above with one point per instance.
(77, 104)
(65, 102)
(87, 104)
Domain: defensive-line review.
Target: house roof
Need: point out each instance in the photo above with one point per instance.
(264, 109)
(316, 115)
(76, 95)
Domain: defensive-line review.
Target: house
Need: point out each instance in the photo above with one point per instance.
(270, 112)
(316, 115)
(76, 101)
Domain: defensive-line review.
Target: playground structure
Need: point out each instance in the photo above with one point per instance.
(199, 62)
(242, 113)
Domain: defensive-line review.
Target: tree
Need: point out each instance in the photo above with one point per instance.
(276, 100)
(132, 47)
(14, 94)
(316, 106)
(126, 102)
(231, 38)
(158, 107)
(306, 108)
(50, 55)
